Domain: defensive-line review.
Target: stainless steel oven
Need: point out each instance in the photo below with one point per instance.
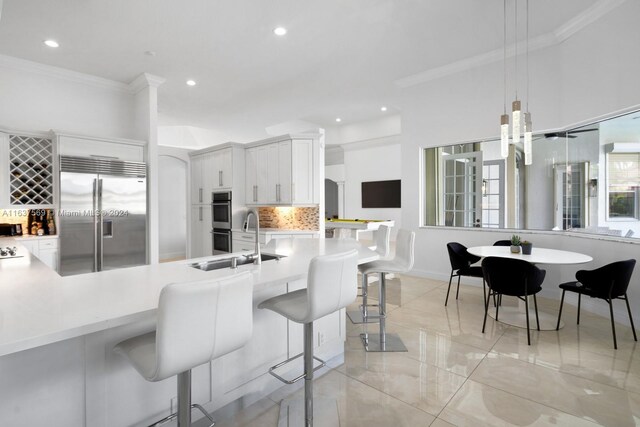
(221, 210)
(221, 241)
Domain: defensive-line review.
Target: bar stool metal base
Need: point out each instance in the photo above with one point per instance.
(357, 318)
(392, 343)
(292, 413)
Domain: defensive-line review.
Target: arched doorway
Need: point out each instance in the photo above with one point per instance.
(173, 208)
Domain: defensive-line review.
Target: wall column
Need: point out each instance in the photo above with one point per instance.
(145, 90)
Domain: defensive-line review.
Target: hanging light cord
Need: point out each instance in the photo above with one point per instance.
(516, 45)
(527, 5)
(505, 57)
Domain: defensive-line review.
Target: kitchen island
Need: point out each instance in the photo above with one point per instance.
(56, 336)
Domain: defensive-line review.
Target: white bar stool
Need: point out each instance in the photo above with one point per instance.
(197, 322)
(382, 248)
(401, 263)
(331, 285)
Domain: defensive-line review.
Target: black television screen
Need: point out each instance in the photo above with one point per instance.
(381, 194)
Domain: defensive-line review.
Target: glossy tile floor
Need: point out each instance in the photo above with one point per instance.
(453, 375)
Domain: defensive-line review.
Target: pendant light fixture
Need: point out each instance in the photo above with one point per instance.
(504, 119)
(528, 130)
(515, 105)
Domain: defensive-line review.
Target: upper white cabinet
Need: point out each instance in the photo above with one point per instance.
(112, 149)
(281, 173)
(213, 171)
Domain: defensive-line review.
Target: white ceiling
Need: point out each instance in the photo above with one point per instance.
(339, 58)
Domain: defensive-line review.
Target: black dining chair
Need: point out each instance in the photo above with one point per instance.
(461, 261)
(608, 283)
(512, 277)
(502, 243)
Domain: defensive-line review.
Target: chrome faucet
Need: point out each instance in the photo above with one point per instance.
(254, 212)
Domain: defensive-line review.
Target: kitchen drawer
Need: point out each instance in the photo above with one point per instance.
(48, 243)
(244, 236)
(242, 245)
(280, 236)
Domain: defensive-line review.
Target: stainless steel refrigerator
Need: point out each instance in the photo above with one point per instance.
(103, 214)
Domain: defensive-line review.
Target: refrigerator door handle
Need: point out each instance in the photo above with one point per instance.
(101, 233)
(95, 225)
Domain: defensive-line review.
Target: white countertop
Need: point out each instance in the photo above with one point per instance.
(275, 231)
(39, 307)
(32, 237)
(369, 226)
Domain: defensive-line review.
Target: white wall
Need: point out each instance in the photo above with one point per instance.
(35, 101)
(591, 74)
(376, 160)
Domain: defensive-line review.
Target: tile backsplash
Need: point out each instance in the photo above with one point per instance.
(15, 216)
(290, 218)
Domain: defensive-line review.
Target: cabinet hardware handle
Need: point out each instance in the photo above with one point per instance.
(200, 195)
(220, 178)
(200, 209)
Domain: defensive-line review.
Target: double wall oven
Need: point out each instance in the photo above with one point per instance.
(221, 214)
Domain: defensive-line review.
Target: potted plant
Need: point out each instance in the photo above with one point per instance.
(527, 246)
(515, 244)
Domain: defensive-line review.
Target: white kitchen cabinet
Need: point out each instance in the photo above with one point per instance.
(211, 171)
(197, 184)
(44, 248)
(303, 172)
(201, 239)
(112, 149)
(223, 161)
(281, 173)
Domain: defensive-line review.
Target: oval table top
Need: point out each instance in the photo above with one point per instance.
(538, 255)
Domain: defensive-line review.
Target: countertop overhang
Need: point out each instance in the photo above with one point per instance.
(39, 307)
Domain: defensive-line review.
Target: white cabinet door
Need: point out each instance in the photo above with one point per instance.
(49, 257)
(197, 188)
(242, 245)
(284, 173)
(251, 178)
(207, 231)
(302, 172)
(273, 173)
(262, 174)
(201, 244)
(209, 176)
(224, 161)
(89, 147)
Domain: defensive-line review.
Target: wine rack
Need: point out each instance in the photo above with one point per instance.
(31, 171)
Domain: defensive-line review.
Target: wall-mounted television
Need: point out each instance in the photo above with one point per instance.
(381, 194)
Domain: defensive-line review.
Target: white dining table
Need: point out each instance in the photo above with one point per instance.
(516, 316)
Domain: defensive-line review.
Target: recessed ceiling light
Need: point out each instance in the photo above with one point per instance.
(150, 52)
(338, 119)
(51, 43)
(383, 109)
(191, 82)
(279, 31)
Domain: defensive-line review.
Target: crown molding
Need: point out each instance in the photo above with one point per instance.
(145, 80)
(62, 73)
(372, 143)
(559, 35)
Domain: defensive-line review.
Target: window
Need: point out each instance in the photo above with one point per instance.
(624, 185)
(493, 194)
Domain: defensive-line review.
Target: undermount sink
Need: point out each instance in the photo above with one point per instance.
(218, 264)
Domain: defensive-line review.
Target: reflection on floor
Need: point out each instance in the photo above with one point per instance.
(455, 375)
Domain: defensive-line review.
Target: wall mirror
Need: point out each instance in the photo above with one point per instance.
(584, 180)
